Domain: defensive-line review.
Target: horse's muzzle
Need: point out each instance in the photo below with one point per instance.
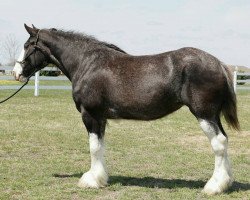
(22, 78)
(19, 77)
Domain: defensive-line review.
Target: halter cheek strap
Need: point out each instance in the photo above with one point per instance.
(47, 52)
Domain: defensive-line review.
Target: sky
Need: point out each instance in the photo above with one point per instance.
(220, 27)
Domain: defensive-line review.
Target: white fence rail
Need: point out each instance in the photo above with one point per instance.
(37, 78)
(236, 87)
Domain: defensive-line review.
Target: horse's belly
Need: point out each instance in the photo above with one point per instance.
(152, 97)
(144, 111)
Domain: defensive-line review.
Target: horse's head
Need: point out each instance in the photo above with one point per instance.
(35, 57)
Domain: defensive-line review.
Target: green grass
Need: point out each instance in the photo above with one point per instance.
(41, 82)
(44, 151)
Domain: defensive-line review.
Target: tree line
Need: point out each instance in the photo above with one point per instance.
(10, 49)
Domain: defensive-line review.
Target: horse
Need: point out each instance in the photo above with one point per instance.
(109, 83)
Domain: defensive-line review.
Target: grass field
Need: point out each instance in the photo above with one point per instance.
(44, 151)
(32, 82)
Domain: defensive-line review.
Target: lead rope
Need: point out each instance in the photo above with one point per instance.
(26, 82)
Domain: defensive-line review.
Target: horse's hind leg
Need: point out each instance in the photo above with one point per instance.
(207, 113)
(222, 178)
(205, 94)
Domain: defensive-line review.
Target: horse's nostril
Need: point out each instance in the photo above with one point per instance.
(22, 79)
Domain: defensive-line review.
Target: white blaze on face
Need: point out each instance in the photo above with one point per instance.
(17, 70)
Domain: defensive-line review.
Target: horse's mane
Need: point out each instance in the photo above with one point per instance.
(72, 35)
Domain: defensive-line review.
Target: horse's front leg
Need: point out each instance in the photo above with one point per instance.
(97, 176)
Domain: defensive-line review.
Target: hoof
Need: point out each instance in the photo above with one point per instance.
(89, 180)
(214, 186)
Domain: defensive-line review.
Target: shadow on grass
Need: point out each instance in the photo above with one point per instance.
(151, 182)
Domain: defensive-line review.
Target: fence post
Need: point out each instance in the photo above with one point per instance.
(235, 78)
(36, 93)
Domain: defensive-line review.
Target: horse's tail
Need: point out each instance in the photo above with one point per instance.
(229, 106)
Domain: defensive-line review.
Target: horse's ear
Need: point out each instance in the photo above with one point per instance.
(30, 30)
(35, 28)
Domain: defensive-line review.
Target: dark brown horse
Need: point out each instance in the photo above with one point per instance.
(108, 83)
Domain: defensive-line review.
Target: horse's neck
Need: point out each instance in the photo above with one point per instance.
(64, 52)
